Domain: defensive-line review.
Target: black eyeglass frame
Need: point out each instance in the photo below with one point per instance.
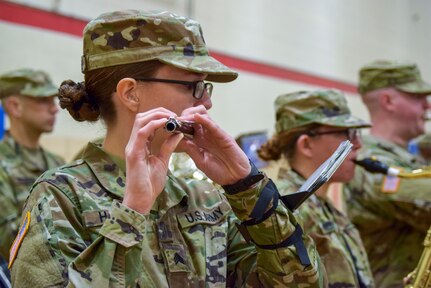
(204, 86)
(350, 133)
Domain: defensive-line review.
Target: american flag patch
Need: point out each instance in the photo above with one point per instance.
(17, 242)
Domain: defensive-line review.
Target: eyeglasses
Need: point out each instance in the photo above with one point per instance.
(351, 133)
(199, 87)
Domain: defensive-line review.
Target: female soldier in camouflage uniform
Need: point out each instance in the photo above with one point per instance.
(88, 225)
(310, 126)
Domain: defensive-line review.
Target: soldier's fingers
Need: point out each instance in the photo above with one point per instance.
(141, 138)
(169, 146)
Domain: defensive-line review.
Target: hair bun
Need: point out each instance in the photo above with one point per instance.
(270, 150)
(74, 97)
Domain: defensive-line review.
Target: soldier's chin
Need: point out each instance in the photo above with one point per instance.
(48, 129)
(346, 177)
(345, 173)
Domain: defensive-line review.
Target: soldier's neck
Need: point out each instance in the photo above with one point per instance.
(388, 134)
(118, 134)
(25, 137)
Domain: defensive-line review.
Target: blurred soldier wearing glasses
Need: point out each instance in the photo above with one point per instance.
(391, 213)
(309, 128)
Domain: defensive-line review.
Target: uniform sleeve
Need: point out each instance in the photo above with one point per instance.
(401, 199)
(10, 215)
(279, 267)
(56, 250)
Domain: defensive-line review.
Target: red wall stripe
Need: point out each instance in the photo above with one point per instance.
(24, 15)
(282, 73)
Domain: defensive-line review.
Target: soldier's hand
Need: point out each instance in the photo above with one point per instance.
(147, 162)
(214, 151)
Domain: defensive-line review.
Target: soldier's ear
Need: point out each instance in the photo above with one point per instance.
(304, 146)
(127, 93)
(387, 101)
(13, 106)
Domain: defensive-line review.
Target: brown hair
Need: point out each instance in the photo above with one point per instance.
(283, 143)
(92, 99)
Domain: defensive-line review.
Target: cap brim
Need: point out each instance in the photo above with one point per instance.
(348, 121)
(40, 91)
(417, 87)
(217, 72)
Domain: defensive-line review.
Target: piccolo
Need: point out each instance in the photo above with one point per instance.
(179, 126)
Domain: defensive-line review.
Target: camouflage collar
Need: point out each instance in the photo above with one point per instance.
(291, 175)
(399, 152)
(8, 139)
(32, 159)
(113, 179)
(13, 145)
(172, 195)
(294, 181)
(110, 176)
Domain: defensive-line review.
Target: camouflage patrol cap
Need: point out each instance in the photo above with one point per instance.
(295, 111)
(131, 36)
(26, 82)
(403, 76)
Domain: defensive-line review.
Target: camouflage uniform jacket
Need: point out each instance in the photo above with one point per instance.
(19, 169)
(337, 240)
(393, 224)
(82, 236)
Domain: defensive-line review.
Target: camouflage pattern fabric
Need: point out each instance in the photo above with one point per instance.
(424, 140)
(27, 82)
(325, 107)
(403, 76)
(423, 147)
(392, 224)
(19, 169)
(182, 166)
(81, 235)
(338, 241)
(10, 214)
(131, 36)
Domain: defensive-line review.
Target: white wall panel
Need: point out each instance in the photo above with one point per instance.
(332, 37)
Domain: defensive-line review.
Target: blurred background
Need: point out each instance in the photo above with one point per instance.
(277, 46)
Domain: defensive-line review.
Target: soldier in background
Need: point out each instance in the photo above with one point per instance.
(309, 128)
(28, 100)
(391, 213)
(117, 217)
